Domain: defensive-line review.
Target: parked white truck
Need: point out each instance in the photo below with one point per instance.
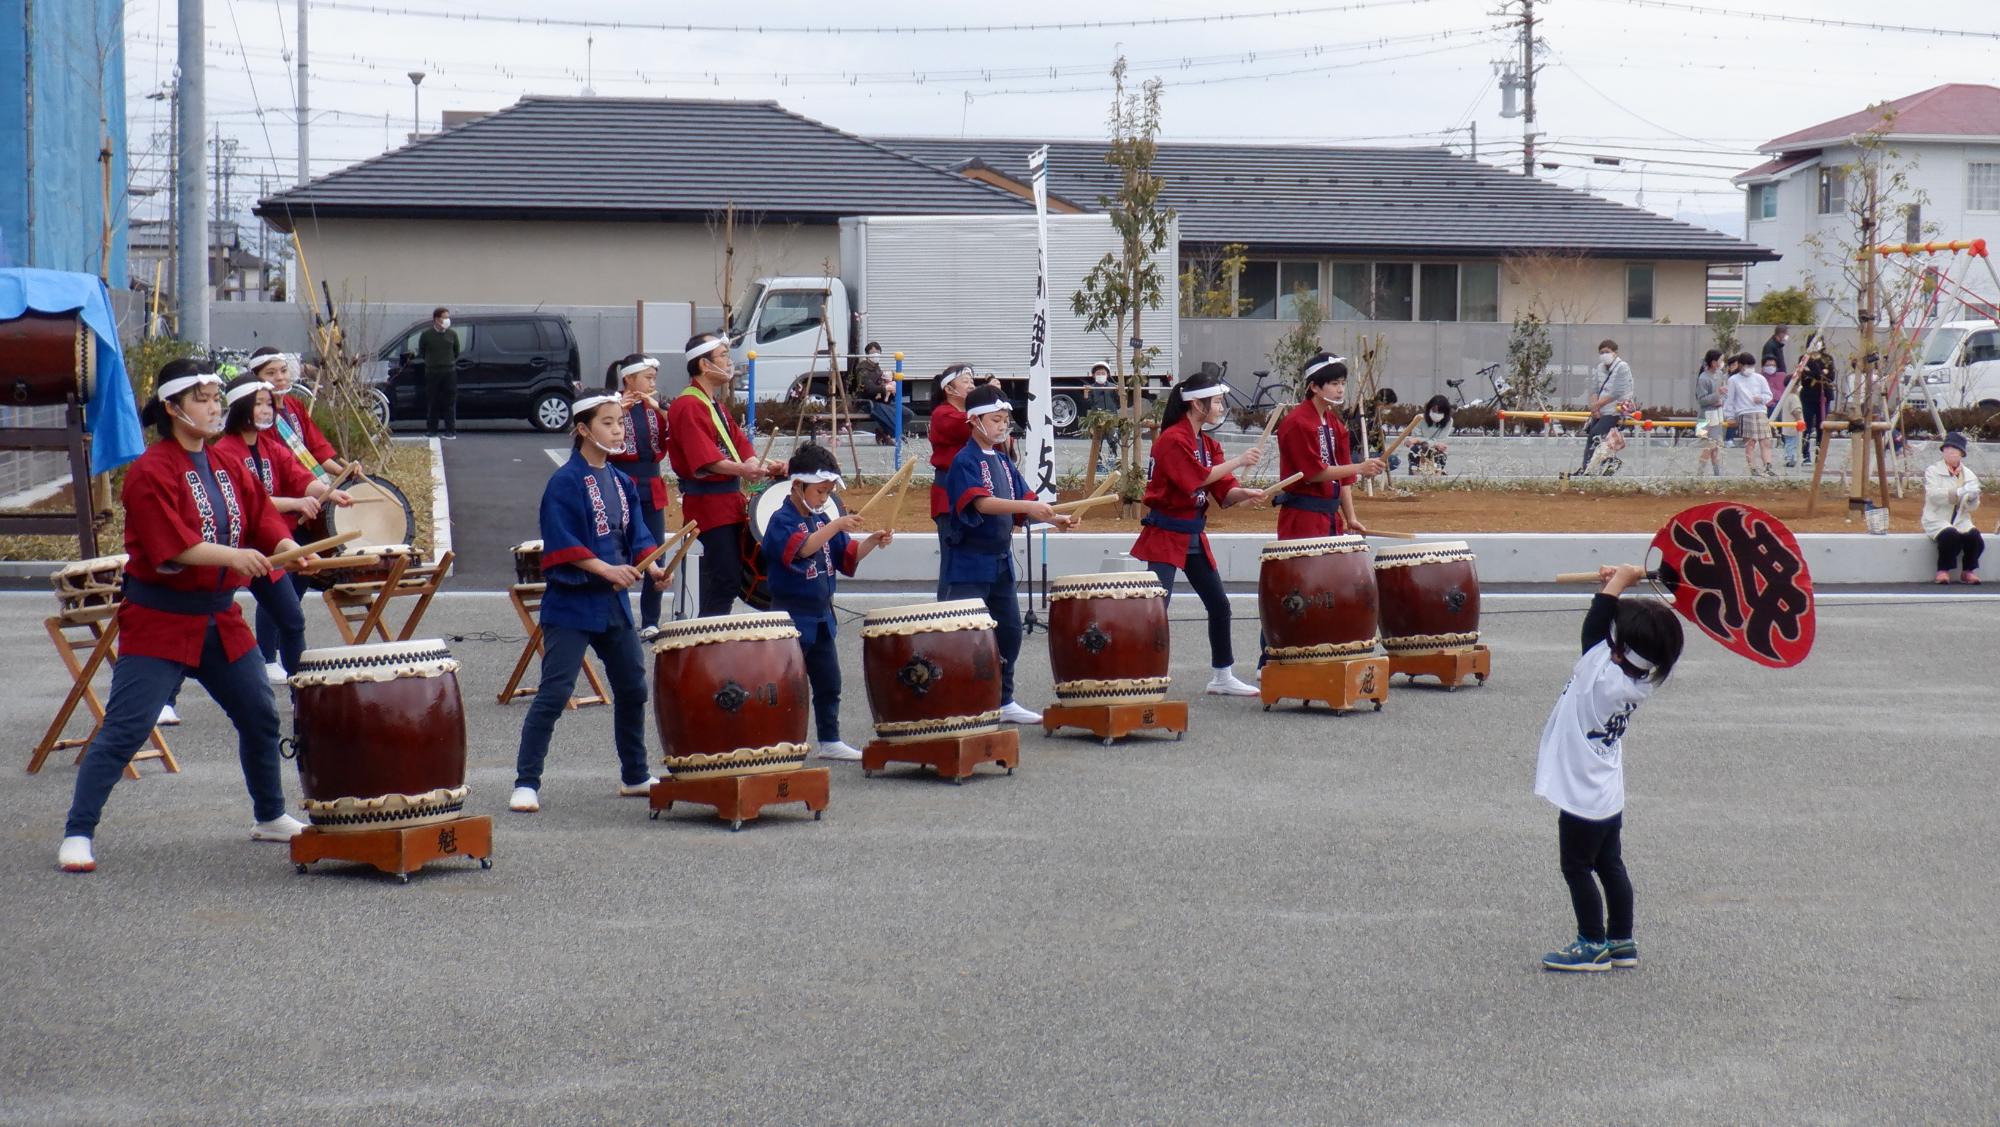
(946, 290)
(1959, 366)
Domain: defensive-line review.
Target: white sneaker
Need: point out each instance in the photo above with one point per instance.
(75, 856)
(648, 633)
(284, 827)
(835, 749)
(1225, 684)
(168, 717)
(1012, 713)
(524, 800)
(274, 672)
(637, 790)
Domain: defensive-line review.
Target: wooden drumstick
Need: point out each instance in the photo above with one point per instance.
(1271, 422)
(896, 483)
(680, 555)
(304, 550)
(1103, 487)
(1387, 535)
(673, 537)
(1080, 505)
(1287, 483)
(339, 563)
(1407, 432)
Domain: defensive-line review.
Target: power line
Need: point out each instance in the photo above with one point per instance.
(1816, 21)
(1097, 89)
(830, 29)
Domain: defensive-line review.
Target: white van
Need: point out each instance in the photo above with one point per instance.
(1958, 366)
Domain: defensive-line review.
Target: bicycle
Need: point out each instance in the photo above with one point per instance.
(1250, 411)
(1503, 392)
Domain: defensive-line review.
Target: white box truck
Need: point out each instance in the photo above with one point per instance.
(946, 290)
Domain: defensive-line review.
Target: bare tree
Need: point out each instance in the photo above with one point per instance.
(1557, 283)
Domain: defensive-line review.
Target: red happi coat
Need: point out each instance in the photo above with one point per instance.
(270, 462)
(1181, 458)
(950, 431)
(301, 419)
(693, 442)
(165, 515)
(1308, 443)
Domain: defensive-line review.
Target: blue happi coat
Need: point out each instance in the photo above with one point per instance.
(588, 514)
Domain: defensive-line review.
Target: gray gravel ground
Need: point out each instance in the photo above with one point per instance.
(1284, 918)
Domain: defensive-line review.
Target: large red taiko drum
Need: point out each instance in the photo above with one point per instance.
(730, 696)
(45, 358)
(1316, 599)
(1429, 597)
(380, 735)
(1108, 639)
(933, 671)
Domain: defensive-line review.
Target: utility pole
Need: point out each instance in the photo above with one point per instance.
(305, 134)
(1528, 80)
(191, 159)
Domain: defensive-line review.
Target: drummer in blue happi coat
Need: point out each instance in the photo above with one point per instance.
(592, 535)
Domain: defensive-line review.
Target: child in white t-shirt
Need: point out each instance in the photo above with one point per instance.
(1629, 648)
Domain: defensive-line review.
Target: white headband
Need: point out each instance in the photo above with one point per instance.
(179, 384)
(230, 397)
(988, 408)
(269, 358)
(1206, 392)
(706, 347)
(817, 476)
(1307, 374)
(1631, 659)
(589, 401)
(642, 365)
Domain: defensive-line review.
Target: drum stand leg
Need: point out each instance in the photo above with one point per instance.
(1451, 668)
(1113, 722)
(952, 758)
(741, 798)
(1342, 683)
(399, 851)
(527, 599)
(81, 692)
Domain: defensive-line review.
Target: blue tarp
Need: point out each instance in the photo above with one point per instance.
(115, 433)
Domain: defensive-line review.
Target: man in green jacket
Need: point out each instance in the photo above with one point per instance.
(437, 347)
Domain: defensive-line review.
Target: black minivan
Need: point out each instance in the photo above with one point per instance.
(510, 366)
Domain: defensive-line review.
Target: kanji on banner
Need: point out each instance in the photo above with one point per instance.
(1738, 574)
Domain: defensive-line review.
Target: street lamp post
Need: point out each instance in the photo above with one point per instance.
(416, 101)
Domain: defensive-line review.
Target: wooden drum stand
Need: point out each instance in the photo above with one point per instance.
(1113, 722)
(399, 851)
(1342, 682)
(1451, 667)
(952, 757)
(741, 798)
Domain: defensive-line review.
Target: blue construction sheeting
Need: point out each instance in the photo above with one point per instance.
(62, 96)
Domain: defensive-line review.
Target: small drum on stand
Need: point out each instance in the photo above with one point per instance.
(383, 516)
(1429, 597)
(528, 563)
(1108, 638)
(380, 736)
(1316, 599)
(46, 359)
(90, 590)
(1430, 611)
(729, 695)
(933, 671)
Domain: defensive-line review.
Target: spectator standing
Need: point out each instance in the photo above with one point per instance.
(1775, 378)
(1787, 418)
(1815, 383)
(1744, 401)
(1613, 387)
(1774, 349)
(438, 348)
(1951, 493)
(1709, 382)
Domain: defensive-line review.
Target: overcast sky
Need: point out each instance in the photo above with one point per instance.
(1682, 96)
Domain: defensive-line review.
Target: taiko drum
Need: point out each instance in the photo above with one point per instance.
(45, 358)
(1429, 597)
(933, 670)
(729, 695)
(1108, 638)
(1316, 599)
(380, 735)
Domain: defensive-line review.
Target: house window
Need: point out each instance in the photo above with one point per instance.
(1437, 291)
(1257, 290)
(1982, 187)
(1479, 291)
(1351, 286)
(1293, 278)
(1395, 291)
(1763, 201)
(1639, 291)
(1913, 223)
(1832, 191)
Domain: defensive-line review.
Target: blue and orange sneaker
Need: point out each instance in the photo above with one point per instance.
(1580, 955)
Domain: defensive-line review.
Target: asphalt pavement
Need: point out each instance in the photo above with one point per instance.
(1286, 917)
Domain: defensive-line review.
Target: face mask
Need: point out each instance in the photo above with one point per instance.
(265, 419)
(1607, 357)
(444, 323)
(1436, 417)
(206, 430)
(1771, 371)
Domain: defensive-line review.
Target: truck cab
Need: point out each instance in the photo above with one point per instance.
(1958, 366)
(785, 322)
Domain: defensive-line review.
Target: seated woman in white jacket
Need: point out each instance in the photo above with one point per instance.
(1951, 493)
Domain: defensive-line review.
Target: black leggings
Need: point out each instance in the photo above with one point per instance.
(1207, 583)
(1959, 549)
(1592, 847)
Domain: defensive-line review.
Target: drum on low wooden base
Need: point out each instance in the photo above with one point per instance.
(1113, 722)
(402, 850)
(380, 736)
(1108, 638)
(742, 798)
(952, 758)
(1341, 683)
(1316, 599)
(932, 670)
(730, 695)
(1429, 597)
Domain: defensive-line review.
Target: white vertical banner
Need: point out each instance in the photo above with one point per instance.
(1039, 467)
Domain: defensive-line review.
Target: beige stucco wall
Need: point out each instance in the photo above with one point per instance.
(499, 262)
(1592, 291)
